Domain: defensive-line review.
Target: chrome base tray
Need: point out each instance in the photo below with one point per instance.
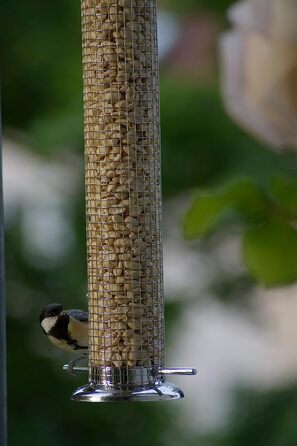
(97, 394)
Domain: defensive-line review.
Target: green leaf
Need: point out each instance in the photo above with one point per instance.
(248, 199)
(270, 252)
(203, 215)
(243, 197)
(285, 192)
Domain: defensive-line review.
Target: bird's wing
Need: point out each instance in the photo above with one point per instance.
(78, 330)
(79, 315)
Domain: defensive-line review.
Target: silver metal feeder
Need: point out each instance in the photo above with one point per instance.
(123, 204)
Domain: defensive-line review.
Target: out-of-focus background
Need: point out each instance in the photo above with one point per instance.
(230, 212)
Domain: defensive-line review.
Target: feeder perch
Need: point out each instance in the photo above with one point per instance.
(123, 204)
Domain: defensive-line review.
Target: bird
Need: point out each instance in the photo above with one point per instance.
(66, 329)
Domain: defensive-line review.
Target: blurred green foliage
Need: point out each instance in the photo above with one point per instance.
(243, 185)
(267, 215)
(270, 252)
(284, 191)
(41, 76)
(201, 146)
(261, 418)
(242, 197)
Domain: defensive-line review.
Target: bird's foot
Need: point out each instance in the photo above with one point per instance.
(73, 363)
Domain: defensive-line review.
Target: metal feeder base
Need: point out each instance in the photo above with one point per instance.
(98, 394)
(109, 384)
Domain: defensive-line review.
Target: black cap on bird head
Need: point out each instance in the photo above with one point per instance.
(50, 310)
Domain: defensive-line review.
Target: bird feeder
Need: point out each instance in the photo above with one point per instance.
(123, 204)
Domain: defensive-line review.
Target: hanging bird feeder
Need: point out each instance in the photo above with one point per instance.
(123, 204)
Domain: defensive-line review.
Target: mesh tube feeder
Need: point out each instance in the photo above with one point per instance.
(123, 204)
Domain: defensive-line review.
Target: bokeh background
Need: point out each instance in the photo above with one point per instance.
(230, 244)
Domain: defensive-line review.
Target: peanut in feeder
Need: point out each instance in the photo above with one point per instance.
(123, 204)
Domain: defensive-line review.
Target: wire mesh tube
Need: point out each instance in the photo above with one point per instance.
(123, 191)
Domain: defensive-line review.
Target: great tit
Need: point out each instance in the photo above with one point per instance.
(67, 330)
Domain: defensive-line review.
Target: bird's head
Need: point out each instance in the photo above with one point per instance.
(51, 311)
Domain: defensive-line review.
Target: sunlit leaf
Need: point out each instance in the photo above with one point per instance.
(204, 214)
(248, 199)
(270, 252)
(285, 192)
(242, 197)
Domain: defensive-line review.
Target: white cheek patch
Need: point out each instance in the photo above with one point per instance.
(48, 323)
